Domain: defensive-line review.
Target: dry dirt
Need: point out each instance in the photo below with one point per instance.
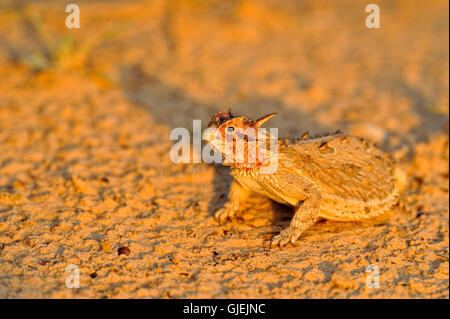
(85, 120)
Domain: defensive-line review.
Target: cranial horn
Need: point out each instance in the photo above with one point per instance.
(305, 136)
(263, 119)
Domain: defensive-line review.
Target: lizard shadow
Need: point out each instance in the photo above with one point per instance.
(174, 107)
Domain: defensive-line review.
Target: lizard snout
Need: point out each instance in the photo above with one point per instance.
(209, 134)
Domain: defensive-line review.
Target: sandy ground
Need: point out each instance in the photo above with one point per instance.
(85, 119)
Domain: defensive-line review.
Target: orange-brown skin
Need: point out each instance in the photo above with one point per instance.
(337, 176)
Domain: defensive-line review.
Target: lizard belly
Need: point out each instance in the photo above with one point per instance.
(334, 209)
(259, 188)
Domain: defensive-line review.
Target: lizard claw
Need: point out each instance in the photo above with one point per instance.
(288, 235)
(223, 214)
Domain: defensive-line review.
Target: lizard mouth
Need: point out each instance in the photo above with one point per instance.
(217, 144)
(209, 136)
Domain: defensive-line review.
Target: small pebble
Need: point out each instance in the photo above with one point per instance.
(124, 251)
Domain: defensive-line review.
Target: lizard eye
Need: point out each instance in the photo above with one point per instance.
(230, 129)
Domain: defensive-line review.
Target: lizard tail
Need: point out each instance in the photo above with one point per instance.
(401, 184)
(401, 179)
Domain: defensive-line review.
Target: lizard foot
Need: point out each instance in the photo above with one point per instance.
(288, 235)
(224, 214)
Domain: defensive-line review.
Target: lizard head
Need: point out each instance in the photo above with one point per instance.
(237, 138)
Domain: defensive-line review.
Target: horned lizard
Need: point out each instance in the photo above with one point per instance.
(337, 176)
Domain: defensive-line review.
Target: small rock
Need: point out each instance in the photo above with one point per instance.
(124, 251)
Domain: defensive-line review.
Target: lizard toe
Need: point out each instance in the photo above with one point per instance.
(223, 214)
(289, 235)
(275, 241)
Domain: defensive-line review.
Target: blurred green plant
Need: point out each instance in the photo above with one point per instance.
(59, 51)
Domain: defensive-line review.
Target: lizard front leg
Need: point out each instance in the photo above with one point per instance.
(236, 196)
(305, 216)
(301, 193)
